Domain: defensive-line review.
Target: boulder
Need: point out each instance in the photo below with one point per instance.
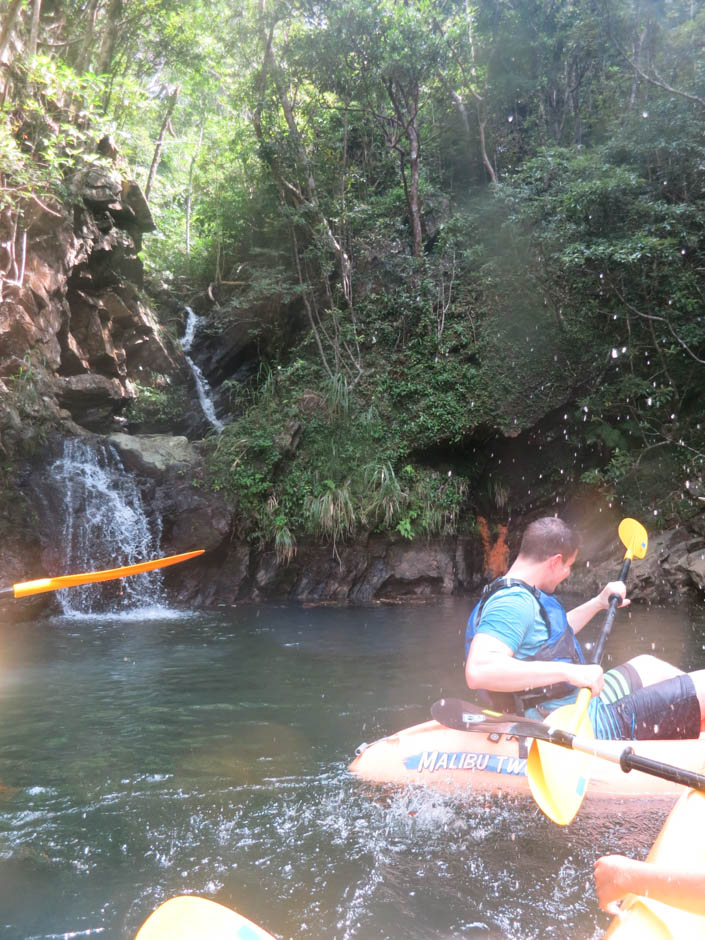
(98, 186)
(92, 400)
(155, 454)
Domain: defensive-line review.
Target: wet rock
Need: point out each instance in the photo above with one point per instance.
(192, 516)
(156, 454)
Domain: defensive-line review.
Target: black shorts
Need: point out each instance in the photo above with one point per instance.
(668, 709)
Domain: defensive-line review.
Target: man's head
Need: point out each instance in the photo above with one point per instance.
(549, 536)
(554, 545)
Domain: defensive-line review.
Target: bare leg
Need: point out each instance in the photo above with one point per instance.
(652, 670)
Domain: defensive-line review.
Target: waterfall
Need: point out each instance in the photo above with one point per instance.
(202, 387)
(101, 523)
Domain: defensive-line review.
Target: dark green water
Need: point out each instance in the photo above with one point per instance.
(207, 754)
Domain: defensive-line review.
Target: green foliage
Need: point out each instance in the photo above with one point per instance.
(435, 502)
(332, 512)
(157, 407)
(46, 128)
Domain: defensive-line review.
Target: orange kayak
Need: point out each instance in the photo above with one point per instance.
(681, 841)
(192, 918)
(432, 755)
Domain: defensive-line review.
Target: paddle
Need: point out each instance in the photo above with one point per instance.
(558, 784)
(464, 716)
(25, 588)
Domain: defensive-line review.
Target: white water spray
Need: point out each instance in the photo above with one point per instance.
(202, 387)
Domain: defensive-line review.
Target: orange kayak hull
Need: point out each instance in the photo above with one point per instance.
(432, 755)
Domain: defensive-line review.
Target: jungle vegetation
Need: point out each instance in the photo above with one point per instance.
(468, 236)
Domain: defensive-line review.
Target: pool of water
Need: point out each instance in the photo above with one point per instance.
(206, 753)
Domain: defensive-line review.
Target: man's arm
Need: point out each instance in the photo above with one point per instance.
(491, 664)
(579, 616)
(616, 875)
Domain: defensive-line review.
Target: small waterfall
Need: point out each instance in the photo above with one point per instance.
(202, 387)
(101, 523)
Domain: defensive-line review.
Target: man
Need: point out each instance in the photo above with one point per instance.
(522, 652)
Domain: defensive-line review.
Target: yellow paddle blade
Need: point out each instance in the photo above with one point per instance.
(558, 777)
(634, 538)
(192, 918)
(25, 588)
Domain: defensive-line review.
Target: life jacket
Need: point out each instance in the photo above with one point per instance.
(561, 646)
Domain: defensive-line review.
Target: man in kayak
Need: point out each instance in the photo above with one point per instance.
(617, 875)
(522, 652)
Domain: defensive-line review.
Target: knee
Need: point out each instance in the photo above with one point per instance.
(651, 669)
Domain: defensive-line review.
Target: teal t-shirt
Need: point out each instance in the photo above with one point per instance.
(514, 617)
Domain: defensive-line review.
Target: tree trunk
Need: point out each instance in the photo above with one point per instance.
(111, 32)
(85, 50)
(189, 196)
(34, 27)
(156, 159)
(414, 202)
(8, 26)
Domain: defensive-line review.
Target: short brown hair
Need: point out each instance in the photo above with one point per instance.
(549, 536)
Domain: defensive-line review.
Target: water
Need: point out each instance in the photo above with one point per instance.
(207, 754)
(202, 388)
(100, 522)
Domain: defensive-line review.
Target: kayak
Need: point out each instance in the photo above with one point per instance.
(193, 918)
(441, 758)
(681, 841)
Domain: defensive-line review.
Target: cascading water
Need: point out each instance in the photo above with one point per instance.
(102, 523)
(202, 387)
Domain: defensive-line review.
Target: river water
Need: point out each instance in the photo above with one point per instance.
(162, 753)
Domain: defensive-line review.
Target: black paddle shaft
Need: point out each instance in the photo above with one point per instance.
(609, 619)
(465, 716)
(631, 761)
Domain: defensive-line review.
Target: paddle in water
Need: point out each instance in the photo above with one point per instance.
(464, 716)
(557, 781)
(25, 588)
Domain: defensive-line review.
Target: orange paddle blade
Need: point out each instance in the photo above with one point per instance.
(25, 588)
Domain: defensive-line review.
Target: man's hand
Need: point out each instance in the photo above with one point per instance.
(614, 587)
(586, 677)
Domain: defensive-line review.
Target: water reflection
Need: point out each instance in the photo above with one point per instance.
(208, 755)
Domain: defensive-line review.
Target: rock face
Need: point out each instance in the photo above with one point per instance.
(674, 568)
(71, 314)
(371, 569)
